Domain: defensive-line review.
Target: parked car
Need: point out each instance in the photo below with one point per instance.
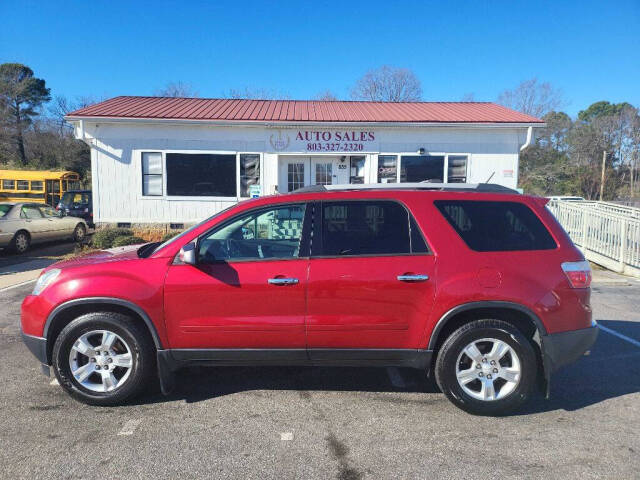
(475, 285)
(22, 224)
(77, 203)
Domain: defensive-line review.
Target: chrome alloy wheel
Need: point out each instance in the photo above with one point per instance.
(22, 242)
(488, 369)
(100, 361)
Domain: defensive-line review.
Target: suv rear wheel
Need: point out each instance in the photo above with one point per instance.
(103, 358)
(487, 367)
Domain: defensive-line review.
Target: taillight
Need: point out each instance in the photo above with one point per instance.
(578, 273)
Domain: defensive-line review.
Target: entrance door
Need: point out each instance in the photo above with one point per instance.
(322, 171)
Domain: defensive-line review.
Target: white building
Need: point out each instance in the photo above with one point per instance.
(178, 160)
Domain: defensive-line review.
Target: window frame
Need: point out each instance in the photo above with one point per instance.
(137, 154)
(305, 238)
(446, 155)
(318, 241)
(162, 174)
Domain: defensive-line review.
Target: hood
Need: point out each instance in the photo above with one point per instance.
(129, 252)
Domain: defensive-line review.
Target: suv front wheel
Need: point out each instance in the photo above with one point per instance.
(103, 358)
(487, 367)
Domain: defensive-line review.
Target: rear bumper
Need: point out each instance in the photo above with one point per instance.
(37, 346)
(566, 347)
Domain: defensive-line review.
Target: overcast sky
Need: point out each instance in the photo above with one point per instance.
(589, 49)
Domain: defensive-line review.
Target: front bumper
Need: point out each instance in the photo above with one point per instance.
(566, 347)
(37, 346)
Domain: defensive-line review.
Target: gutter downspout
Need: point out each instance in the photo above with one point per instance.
(528, 140)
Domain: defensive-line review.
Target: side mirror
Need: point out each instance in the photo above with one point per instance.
(187, 254)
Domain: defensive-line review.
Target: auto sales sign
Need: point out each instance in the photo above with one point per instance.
(322, 140)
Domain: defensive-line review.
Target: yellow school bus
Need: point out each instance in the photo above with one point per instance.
(39, 186)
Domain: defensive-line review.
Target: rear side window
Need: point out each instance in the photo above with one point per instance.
(496, 226)
(368, 228)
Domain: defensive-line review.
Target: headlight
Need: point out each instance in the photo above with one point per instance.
(44, 280)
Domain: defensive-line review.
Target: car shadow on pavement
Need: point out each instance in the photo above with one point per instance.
(610, 370)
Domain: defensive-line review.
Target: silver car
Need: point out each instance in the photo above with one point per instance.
(22, 224)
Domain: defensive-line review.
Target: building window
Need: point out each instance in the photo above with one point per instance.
(387, 168)
(324, 173)
(23, 185)
(249, 172)
(37, 185)
(8, 184)
(421, 168)
(295, 176)
(201, 175)
(356, 170)
(152, 173)
(457, 169)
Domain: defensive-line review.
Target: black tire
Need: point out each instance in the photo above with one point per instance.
(450, 352)
(79, 233)
(21, 241)
(143, 365)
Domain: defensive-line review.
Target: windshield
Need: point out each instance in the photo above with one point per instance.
(4, 209)
(189, 230)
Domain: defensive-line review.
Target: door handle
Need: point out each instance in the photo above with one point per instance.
(413, 278)
(282, 281)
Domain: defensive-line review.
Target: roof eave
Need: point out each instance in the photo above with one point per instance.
(281, 124)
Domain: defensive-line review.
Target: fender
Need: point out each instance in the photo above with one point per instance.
(483, 304)
(106, 300)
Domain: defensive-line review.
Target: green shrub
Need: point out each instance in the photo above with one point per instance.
(104, 238)
(170, 235)
(124, 240)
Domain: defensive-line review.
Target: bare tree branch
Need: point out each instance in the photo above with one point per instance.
(388, 84)
(533, 98)
(176, 90)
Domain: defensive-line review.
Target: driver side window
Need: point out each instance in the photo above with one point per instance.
(273, 233)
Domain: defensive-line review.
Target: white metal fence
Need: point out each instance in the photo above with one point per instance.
(607, 233)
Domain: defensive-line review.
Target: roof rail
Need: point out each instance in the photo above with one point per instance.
(443, 187)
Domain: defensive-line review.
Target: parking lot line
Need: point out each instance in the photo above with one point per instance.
(54, 382)
(619, 335)
(21, 284)
(129, 427)
(395, 377)
(286, 436)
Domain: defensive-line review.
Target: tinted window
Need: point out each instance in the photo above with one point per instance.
(364, 228)
(4, 209)
(418, 244)
(201, 175)
(420, 168)
(264, 234)
(496, 226)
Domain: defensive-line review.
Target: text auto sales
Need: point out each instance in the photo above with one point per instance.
(338, 141)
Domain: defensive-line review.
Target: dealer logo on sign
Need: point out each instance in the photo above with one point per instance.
(279, 142)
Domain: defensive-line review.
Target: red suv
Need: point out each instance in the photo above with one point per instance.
(477, 285)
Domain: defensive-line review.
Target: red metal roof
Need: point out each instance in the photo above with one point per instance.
(210, 109)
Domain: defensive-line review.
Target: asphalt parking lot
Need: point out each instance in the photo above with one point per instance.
(337, 423)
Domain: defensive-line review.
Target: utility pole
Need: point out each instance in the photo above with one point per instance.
(604, 164)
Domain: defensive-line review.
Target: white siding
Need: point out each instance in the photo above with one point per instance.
(116, 169)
